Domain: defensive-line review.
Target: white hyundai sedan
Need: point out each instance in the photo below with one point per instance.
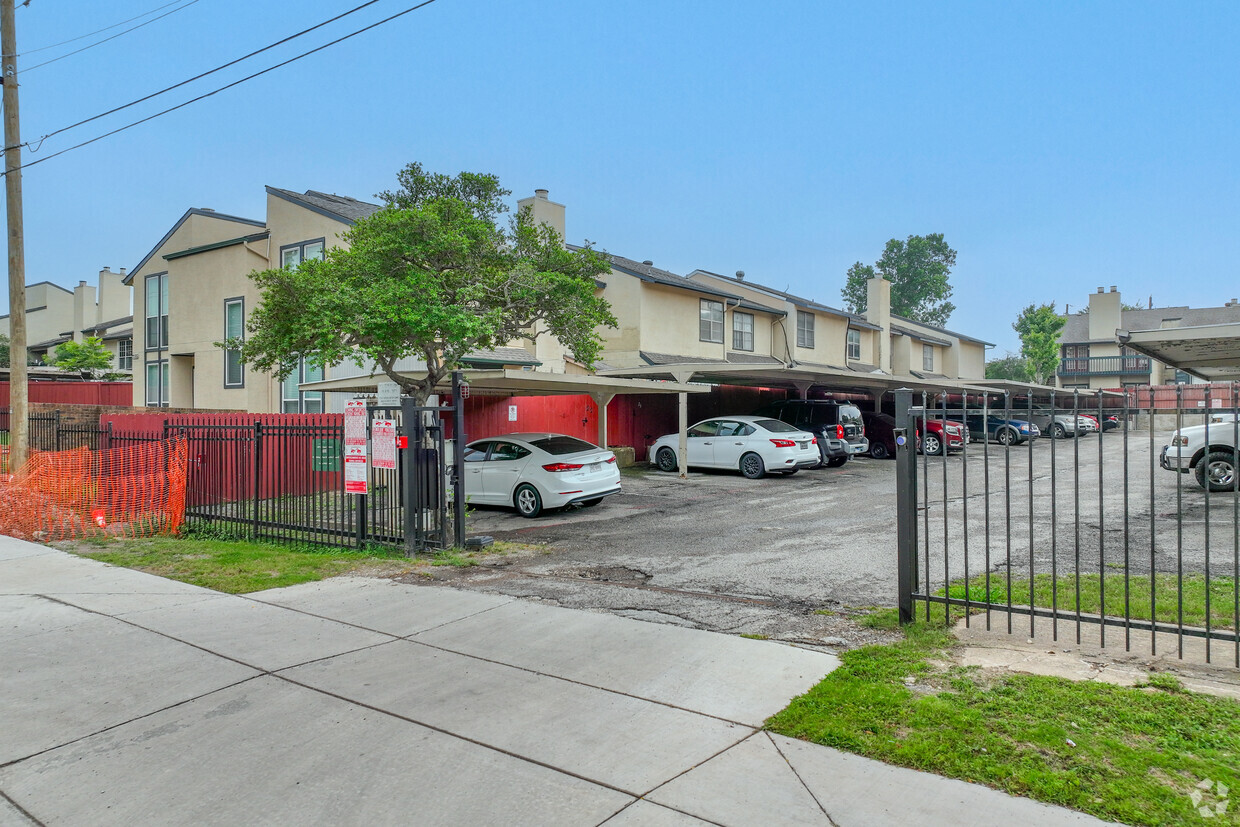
(533, 472)
(754, 445)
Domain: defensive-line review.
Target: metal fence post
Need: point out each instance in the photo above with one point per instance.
(458, 460)
(258, 475)
(906, 503)
(408, 416)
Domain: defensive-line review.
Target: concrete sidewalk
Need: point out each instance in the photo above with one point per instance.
(131, 699)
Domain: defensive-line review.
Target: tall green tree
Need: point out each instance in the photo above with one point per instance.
(1038, 327)
(918, 269)
(4, 351)
(433, 275)
(1011, 366)
(89, 355)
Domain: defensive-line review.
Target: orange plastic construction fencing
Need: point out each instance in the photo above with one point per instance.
(135, 491)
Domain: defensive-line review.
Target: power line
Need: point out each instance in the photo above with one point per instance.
(106, 39)
(228, 86)
(98, 31)
(209, 72)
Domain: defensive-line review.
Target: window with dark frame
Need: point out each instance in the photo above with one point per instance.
(292, 398)
(710, 325)
(742, 331)
(854, 344)
(234, 328)
(292, 255)
(805, 329)
(156, 312)
(157, 384)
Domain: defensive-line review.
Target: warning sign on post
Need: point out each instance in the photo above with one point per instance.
(355, 470)
(383, 443)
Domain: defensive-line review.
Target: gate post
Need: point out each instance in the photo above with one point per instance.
(409, 414)
(458, 460)
(906, 503)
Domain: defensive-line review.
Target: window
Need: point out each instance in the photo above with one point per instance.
(157, 311)
(708, 428)
(295, 400)
(234, 328)
(157, 384)
(507, 452)
(291, 255)
(710, 326)
(476, 452)
(742, 331)
(124, 354)
(805, 329)
(854, 344)
(927, 357)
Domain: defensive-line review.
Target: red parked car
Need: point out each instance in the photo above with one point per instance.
(880, 428)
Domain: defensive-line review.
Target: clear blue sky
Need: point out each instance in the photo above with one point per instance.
(1057, 146)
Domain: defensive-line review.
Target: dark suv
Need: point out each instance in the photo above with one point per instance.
(838, 426)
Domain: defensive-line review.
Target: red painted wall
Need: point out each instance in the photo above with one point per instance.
(75, 393)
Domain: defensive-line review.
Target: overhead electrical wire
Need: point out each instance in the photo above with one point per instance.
(99, 31)
(206, 73)
(106, 39)
(224, 88)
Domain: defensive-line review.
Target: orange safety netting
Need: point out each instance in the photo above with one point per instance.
(136, 491)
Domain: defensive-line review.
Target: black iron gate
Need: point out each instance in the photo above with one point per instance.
(1041, 518)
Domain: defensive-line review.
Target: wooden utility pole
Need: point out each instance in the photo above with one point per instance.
(18, 387)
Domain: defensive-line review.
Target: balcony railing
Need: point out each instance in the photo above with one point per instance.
(1105, 366)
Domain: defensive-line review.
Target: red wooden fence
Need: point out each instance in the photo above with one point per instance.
(75, 393)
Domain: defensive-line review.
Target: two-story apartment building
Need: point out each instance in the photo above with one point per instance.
(55, 315)
(1091, 356)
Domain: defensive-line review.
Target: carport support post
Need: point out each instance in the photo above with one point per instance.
(684, 435)
(906, 504)
(602, 400)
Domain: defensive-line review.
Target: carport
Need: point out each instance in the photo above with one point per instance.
(509, 382)
(1210, 352)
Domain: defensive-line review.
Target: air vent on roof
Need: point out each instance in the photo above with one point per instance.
(740, 275)
(648, 263)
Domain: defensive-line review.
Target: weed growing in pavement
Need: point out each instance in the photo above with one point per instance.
(756, 637)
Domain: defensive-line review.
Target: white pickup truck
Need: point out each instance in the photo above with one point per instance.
(1213, 464)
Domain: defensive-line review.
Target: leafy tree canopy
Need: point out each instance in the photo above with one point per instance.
(89, 355)
(1011, 366)
(1038, 327)
(4, 351)
(918, 269)
(432, 275)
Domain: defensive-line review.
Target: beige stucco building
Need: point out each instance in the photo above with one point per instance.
(55, 315)
(1091, 356)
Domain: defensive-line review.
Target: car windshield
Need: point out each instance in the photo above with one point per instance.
(775, 426)
(559, 444)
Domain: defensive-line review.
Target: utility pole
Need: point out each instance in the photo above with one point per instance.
(18, 375)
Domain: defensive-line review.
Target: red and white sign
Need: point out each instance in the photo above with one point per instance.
(464, 390)
(355, 460)
(383, 443)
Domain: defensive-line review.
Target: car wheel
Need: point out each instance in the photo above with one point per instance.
(836, 462)
(527, 500)
(591, 503)
(1217, 471)
(932, 445)
(666, 460)
(752, 466)
(878, 450)
(1005, 436)
(1059, 431)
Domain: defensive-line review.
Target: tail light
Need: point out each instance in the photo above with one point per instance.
(783, 443)
(562, 466)
(813, 440)
(611, 459)
(839, 431)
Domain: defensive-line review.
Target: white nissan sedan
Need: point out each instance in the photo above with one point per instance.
(754, 445)
(533, 472)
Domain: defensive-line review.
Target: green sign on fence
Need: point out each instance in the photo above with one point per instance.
(325, 455)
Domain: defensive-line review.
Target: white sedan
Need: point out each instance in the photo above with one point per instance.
(755, 445)
(533, 472)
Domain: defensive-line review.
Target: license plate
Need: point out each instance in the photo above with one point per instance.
(803, 444)
(594, 466)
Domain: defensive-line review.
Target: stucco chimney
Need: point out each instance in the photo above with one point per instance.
(1105, 316)
(544, 210)
(83, 310)
(878, 312)
(115, 297)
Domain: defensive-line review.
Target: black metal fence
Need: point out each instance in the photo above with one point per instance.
(1066, 510)
(50, 432)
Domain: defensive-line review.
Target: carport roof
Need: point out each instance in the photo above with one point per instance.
(794, 376)
(520, 383)
(1030, 389)
(1210, 352)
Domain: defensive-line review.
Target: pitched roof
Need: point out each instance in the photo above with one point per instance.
(943, 330)
(853, 318)
(655, 275)
(190, 212)
(501, 356)
(734, 358)
(105, 325)
(1076, 330)
(913, 334)
(340, 207)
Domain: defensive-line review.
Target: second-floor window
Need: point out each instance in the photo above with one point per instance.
(805, 329)
(742, 331)
(292, 255)
(157, 311)
(124, 354)
(234, 328)
(710, 324)
(854, 344)
(927, 357)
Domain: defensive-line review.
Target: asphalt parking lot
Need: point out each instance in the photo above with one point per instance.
(793, 557)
